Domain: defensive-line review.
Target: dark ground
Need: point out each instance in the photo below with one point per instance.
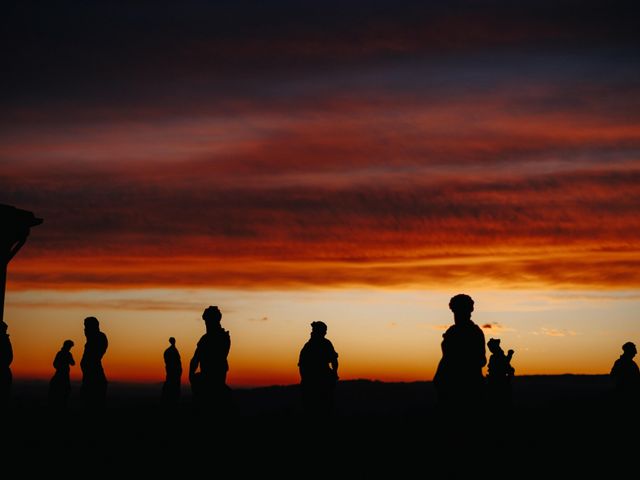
(560, 427)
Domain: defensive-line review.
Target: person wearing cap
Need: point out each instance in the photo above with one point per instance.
(318, 365)
(210, 382)
(94, 382)
(458, 379)
(626, 375)
(6, 357)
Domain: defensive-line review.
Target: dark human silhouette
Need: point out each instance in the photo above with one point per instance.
(458, 379)
(209, 385)
(15, 226)
(6, 357)
(318, 365)
(626, 375)
(173, 367)
(60, 384)
(499, 375)
(94, 381)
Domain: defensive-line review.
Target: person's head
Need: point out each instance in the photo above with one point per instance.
(67, 345)
(318, 328)
(494, 345)
(211, 316)
(629, 349)
(91, 325)
(3, 327)
(461, 305)
(172, 341)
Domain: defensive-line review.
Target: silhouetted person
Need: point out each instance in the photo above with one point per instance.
(499, 375)
(60, 384)
(94, 381)
(209, 385)
(6, 357)
(173, 367)
(318, 365)
(458, 379)
(626, 375)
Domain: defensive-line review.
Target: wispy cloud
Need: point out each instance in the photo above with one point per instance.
(555, 332)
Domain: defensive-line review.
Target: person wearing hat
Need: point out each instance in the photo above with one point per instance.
(318, 365)
(626, 375)
(458, 379)
(209, 384)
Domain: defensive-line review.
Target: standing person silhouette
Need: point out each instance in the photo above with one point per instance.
(499, 375)
(318, 365)
(626, 375)
(60, 384)
(94, 381)
(209, 385)
(6, 357)
(173, 367)
(458, 379)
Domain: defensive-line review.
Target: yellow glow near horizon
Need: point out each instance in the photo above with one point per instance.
(389, 335)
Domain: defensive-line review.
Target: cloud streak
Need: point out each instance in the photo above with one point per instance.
(406, 144)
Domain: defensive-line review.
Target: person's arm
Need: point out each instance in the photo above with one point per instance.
(334, 366)
(71, 360)
(193, 365)
(227, 345)
(482, 350)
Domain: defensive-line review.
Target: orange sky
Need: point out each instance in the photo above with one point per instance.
(403, 153)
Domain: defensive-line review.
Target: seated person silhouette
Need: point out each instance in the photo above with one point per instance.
(499, 375)
(60, 384)
(173, 368)
(318, 365)
(458, 379)
(6, 357)
(94, 382)
(626, 375)
(209, 385)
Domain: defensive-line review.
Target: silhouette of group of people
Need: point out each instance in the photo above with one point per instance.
(458, 380)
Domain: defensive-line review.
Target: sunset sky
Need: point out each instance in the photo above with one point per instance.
(353, 162)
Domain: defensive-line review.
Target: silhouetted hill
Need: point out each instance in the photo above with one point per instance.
(560, 426)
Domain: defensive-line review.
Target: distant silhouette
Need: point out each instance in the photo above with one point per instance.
(60, 384)
(173, 367)
(458, 379)
(626, 375)
(499, 375)
(6, 357)
(318, 365)
(94, 381)
(209, 385)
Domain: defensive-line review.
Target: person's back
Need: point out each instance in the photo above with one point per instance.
(214, 348)
(315, 361)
